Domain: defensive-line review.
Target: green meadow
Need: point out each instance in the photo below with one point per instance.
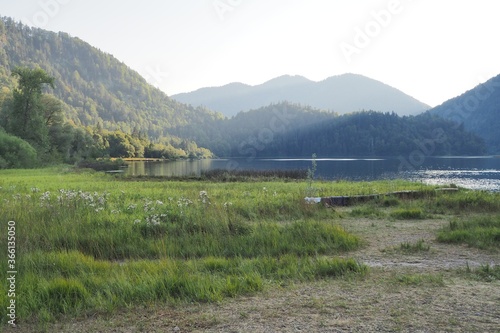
(91, 243)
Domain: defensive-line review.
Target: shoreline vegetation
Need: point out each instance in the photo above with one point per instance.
(91, 244)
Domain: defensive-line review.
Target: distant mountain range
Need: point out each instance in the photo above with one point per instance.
(98, 90)
(341, 94)
(477, 110)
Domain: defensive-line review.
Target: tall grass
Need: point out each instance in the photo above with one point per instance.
(71, 283)
(487, 273)
(481, 232)
(90, 243)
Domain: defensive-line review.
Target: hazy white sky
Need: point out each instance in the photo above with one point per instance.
(430, 49)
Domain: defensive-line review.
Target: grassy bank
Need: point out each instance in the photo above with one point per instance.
(90, 243)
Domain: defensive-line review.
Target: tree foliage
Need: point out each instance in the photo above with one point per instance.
(102, 108)
(95, 91)
(15, 152)
(26, 118)
(290, 130)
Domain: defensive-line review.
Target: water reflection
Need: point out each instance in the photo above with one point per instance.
(480, 172)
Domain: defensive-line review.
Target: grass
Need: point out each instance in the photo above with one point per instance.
(410, 248)
(246, 175)
(71, 283)
(419, 246)
(414, 213)
(486, 273)
(481, 232)
(436, 280)
(91, 243)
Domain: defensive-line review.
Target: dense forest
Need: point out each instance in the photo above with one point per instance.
(287, 130)
(61, 100)
(478, 110)
(97, 92)
(34, 130)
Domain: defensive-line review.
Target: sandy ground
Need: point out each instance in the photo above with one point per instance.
(444, 301)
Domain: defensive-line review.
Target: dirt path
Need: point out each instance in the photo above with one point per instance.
(438, 300)
(382, 235)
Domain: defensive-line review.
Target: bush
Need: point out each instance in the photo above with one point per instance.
(16, 153)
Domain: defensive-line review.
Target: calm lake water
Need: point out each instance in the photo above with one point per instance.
(481, 172)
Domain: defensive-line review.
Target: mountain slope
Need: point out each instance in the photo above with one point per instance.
(96, 87)
(342, 94)
(292, 130)
(477, 110)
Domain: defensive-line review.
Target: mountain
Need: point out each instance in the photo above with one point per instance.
(97, 89)
(292, 130)
(477, 110)
(341, 94)
(101, 94)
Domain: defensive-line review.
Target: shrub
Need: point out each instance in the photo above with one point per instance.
(15, 152)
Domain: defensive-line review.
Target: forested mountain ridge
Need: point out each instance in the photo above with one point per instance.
(110, 110)
(291, 130)
(478, 110)
(95, 86)
(341, 94)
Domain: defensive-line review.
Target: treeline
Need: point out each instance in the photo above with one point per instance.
(98, 107)
(95, 88)
(34, 131)
(291, 130)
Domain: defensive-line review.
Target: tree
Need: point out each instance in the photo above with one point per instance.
(27, 116)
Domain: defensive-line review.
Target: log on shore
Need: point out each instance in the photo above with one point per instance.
(355, 199)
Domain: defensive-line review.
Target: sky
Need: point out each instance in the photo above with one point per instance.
(432, 50)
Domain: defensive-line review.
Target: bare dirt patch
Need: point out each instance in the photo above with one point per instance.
(382, 235)
(417, 292)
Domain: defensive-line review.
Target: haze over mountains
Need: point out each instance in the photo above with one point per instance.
(341, 94)
(289, 115)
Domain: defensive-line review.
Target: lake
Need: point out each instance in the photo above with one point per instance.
(477, 172)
